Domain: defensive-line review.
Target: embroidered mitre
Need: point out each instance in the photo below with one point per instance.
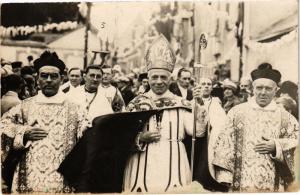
(160, 55)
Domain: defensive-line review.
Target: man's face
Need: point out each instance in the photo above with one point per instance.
(264, 91)
(245, 85)
(159, 80)
(75, 77)
(30, 81)
(107, 76)
(184, 79)
(49, 80)
(92, 79)
(228, 92)
(206, 86)
(145, 83)
(17, 71)
(121, 84)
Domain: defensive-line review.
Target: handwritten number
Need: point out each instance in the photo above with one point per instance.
(102, 25)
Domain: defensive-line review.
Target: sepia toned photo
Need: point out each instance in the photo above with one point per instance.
(139, 97)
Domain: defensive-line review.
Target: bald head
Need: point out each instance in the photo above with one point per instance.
(245, 84)
(205, 86)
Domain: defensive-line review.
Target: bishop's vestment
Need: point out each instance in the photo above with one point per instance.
(162, 166)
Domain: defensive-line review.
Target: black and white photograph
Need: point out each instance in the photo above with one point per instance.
(136, 97)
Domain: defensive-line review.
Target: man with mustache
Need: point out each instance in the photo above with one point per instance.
(255, 152)
(45, 127)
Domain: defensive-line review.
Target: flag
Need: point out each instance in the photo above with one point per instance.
(97, 162)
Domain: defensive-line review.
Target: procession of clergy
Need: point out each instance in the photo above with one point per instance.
(249, 149)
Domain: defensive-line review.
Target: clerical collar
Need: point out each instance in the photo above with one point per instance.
(206, 99)
(56, 99)
(71, 86)
(270, 107)
(89, 91)
(105, 86)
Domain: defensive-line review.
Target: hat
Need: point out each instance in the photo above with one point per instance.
(131, 75)
(229, 84)
(7, 69)
(287, 102)
(160, 55)
(123, 79)
(49, 59)
(16, 64)
(29, 58)
(265, 70)
(27, 70)
(117, 68)
(245, 79)
(142, 76)
(14, 82)
(105, 66)
(290, 88)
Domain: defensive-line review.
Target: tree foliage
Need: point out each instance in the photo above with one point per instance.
(22, 14)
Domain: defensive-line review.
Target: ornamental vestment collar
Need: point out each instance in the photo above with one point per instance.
(152, 101)
(270, 107)
(58, 98)
(167, 94)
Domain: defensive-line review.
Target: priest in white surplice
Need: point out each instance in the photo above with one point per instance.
(45, 127)
(255, 152)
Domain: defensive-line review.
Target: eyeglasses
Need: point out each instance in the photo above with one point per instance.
(53, 76)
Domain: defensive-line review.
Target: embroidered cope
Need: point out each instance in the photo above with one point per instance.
(64, 123)
(163, 165)
(236, 160)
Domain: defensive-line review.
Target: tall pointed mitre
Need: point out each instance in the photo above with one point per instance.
(160, 55)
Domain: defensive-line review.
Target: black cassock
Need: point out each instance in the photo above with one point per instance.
(201, 171)
(97, 162)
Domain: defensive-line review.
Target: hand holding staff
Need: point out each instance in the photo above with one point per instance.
(197, 96)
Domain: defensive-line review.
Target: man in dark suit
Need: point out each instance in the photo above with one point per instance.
(181, 86)
(125, 89)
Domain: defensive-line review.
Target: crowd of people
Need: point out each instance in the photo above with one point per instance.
(244, 133)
